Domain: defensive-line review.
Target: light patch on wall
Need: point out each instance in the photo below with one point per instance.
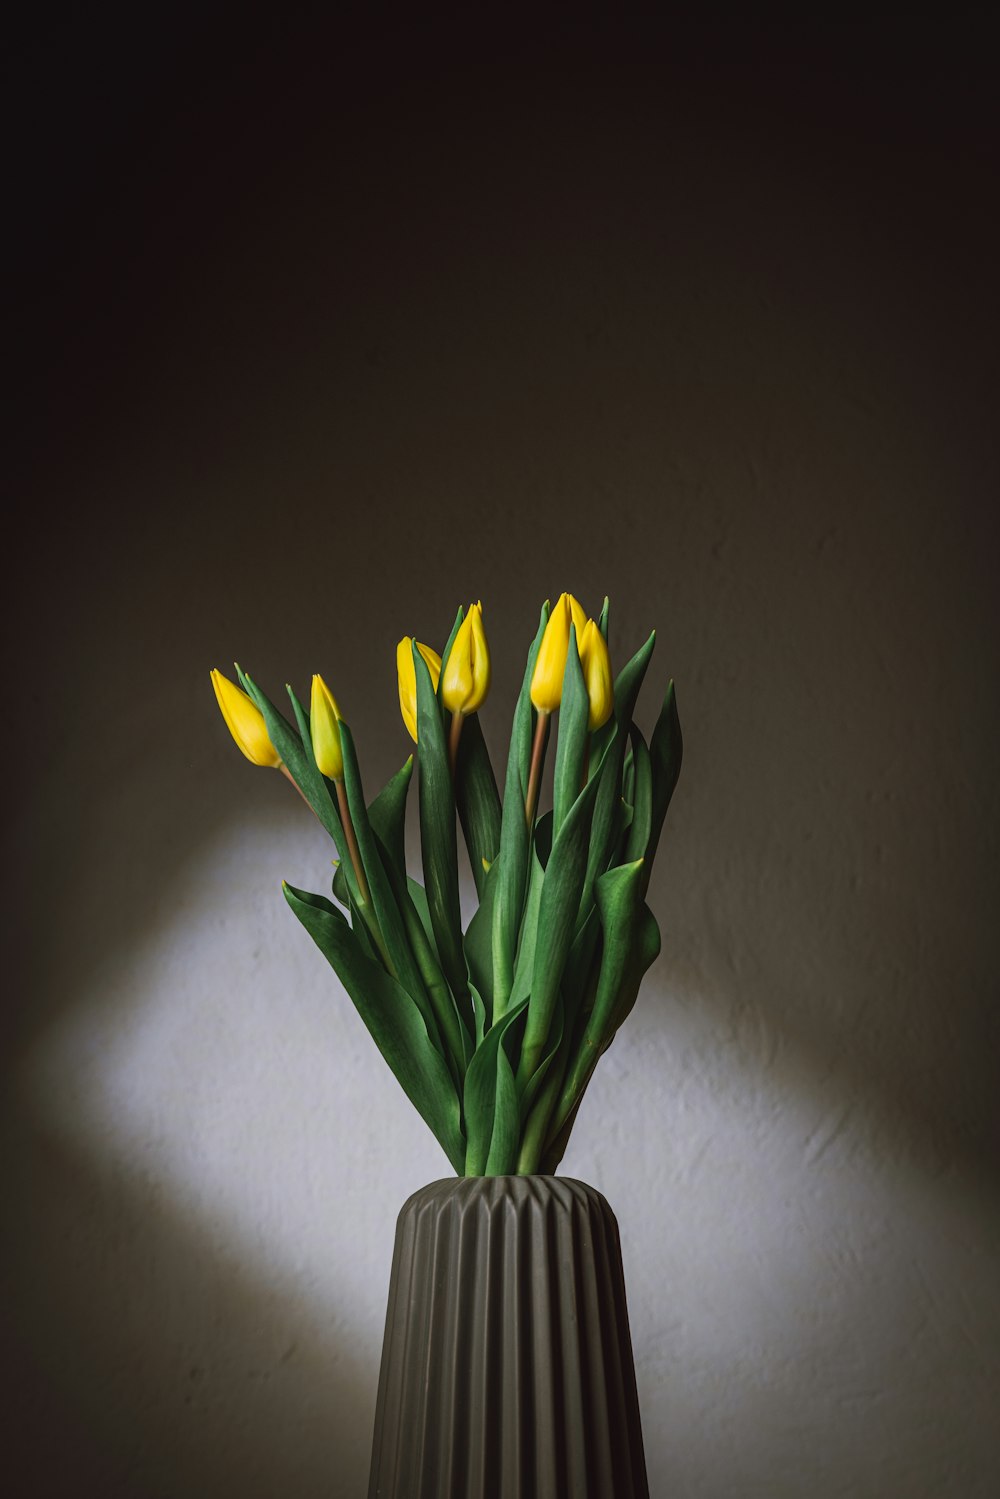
(785, 1273)
(219, 1057)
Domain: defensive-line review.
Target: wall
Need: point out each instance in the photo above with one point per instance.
(322, 335)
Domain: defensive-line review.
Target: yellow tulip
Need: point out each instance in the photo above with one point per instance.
(467, 670)
(245, 720)
(550, 663)
(407, 675)
(578, 615)
(324, 730)
(596, 665)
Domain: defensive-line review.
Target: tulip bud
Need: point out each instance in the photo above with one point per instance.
(324, 730)
(407, 675)
(550, 663)
(467, 671)
(245, 720)
(596, 665)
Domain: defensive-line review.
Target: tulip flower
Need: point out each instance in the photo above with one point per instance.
(547, 678)
(325, 719)
(466, 676)
(596, 665)
(407, 676)
(246, 722)
(542, 975)
(324, 729)
(467, 670)
(547, 683)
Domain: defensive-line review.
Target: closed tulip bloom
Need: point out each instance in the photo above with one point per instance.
(406, 672)
(550, 664)
(596, 665)
(467, 671)
(578, 615)
(324, 730)
(245, 720)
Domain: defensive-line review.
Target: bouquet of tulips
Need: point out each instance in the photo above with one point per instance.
(493, 1032)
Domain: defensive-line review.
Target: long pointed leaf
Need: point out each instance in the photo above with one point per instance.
(539, 1099)
(383, 901)
(447, 648)
(607, 812)
(478, 943)
(666, 748)
(393, 1021)
(438, 839)
(524, 964)
(478, 800)
(574, 711)
(480, 1095)
(639, 829)
(387, 814)
(560, 902)
(513, 856)
(504, 1143)
(301, 767)
(628, 949)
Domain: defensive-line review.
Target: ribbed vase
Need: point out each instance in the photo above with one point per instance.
(507, 1368)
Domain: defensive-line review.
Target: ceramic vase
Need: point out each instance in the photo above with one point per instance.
(507, 1368)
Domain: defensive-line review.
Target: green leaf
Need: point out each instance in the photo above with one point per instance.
(459, 617)
(554, 1040)
(574, 711)
(645, 951)
(602, 623)
(525, 961)
(560, 902)
(607, 812)
(538, 1102)
(393, 1021)
(383, 902)
(506, 1137)
(439, 1012)
(638, 833)
(628, 777)
(627, 952)
(361, 932)
(438, 841)
(478, 800)
(301, 767)
(418, 895)
(387, 814)
(512, 860)
(479, 1011)
(579, 977)
(480, 1096)
(301, 718)
(479, 944)
(665, 751)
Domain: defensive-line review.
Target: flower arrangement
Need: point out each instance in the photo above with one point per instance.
(493, 1032)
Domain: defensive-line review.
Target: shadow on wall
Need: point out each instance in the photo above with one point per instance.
(144, 1356)
(151, 1350)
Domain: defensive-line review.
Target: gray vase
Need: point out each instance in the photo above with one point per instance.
(507, 1366)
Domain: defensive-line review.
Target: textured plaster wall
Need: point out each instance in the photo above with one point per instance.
(324, 335)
